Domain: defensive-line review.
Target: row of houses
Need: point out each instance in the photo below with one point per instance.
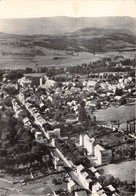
(95, 186)
(18, 112)
(41, 122)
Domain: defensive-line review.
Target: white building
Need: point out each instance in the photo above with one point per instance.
(72, 186)
(93, 169)
(38, 135)
(58, 164)
(97, 190)
(103, 156)
(88, 143)
(24, 81)
(83, 176)
(45, 82)
(81, 140)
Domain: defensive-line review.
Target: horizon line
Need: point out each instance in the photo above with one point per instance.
(76, 17)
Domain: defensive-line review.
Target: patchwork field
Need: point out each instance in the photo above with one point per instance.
(83, 46)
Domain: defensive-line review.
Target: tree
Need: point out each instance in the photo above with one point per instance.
(28, 70)
(122, 101)
(119, 92)
(82, 112)
(5, 136)
(35, 81)
(1, 75)
(117, 182)
(98, 105)
(6, 144)
(12, 75)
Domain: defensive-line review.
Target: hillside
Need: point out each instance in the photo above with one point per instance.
(102, 40)
(81, 46)
(88, 39)
(61, 25)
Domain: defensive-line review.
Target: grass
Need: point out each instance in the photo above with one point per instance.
(124, 170)
(21, 62)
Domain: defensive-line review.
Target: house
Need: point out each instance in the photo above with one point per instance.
(97, 175)
(93, 170)
(58, 164)
(79, 169)
(111, 188)
(84, 177)
(54, 133)
(97, 190)
(72, 186)
(26, 122)
(38, 135)
(96, 187)
(24, 81)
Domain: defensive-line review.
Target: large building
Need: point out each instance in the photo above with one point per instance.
(103, 156)
(45, 82)
(88, 143)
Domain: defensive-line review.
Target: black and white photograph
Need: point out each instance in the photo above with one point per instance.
(67, 97)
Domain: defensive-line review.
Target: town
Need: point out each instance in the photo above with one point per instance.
(50, 133)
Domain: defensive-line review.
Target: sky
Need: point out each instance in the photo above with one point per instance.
(73, 8)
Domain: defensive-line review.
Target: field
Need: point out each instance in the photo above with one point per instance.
(123, 171)
(38, 186)
(51, 59)
(21, 51)
(122, 113)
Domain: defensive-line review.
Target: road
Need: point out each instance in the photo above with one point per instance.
(72, 173)
(58, 153)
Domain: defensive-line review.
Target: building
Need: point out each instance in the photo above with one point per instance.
(72, 186)
(27, 122)
(58, 164)
(38, 135)
(83, 176)
(88, 143)
(17, 109)
(93, 170)
(45, 82)
(97, 190)
(79, 169)
(81, 140)
(103, 156)
(97, 175)
(24, 81)
(54, 133)
(111, 189)
(81, 193)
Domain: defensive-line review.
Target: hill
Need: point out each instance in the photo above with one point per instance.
(87, 39)
(61, 24)
(69, 49)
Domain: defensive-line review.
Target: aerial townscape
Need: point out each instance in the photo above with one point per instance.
(67, 113)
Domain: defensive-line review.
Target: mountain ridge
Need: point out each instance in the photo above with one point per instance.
(63, 24)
